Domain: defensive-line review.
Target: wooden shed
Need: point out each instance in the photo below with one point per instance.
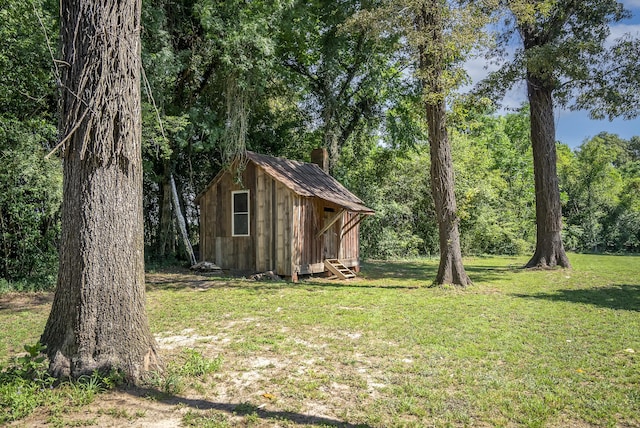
(274, 214)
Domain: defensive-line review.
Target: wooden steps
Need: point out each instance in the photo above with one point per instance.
(338, 269)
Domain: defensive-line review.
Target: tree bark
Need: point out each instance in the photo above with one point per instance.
(182, 225)
(451, 269)
(167, 237)
(549, 248)
(98, 320)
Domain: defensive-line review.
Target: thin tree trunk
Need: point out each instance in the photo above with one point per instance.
(98, 320)
(166, 216)
(182, 225)
(330, 135)
(549, 248)
(451, 269)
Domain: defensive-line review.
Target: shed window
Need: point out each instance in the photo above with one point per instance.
(240, 213)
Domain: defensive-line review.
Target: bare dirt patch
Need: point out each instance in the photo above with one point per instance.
(255, 387)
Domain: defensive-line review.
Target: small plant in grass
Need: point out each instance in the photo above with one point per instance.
(249, 411)
(84, 390)
(32, 367)
(196, 365)
(18, 399)
(23, 384)
(211, 419)
(191, 364)
(173, 383)
(118, 413)
(26, 384)
(113, 379)
(170, 382)
(245, 409)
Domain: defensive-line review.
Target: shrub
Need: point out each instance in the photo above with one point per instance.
(29, 205)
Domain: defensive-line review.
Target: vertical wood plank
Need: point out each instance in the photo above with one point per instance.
(204, 211)
(288, 220)
(275, 238)
(296, 240)
(260, 238)
(280, 212)
(219, 257)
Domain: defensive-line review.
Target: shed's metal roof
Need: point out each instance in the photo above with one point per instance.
(308, 179)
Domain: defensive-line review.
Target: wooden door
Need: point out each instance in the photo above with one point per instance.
(331, 244)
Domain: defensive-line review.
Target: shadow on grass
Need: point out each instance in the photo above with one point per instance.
(421, 271)
(311, 285)
(23, 302)
(381, 269)
(240, 409)
(486, 273)
(196, 284)
(617, 296)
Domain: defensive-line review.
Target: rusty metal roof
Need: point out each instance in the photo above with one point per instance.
(308, 179)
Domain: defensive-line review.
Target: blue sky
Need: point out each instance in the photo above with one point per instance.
(574, 127)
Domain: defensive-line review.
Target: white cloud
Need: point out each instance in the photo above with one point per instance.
(479, 67)
(514, 98)
(631, 4)
(620, 29)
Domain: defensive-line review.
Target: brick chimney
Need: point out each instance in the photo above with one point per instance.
(321, 158)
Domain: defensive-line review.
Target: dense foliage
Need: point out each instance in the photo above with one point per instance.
(494, 190)
(31, 185)
(29, 203)
(601, 182)
(282, 77)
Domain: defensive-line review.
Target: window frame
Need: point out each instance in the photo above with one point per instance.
(234, 213)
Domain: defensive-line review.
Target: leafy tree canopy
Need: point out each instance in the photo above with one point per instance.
(568, 47)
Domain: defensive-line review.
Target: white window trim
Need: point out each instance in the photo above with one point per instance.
(233, 213)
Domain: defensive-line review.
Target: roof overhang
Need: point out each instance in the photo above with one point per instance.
(324, 187)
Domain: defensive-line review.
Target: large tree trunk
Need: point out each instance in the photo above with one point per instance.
(549, 249)
(98, 320)
(451, 269)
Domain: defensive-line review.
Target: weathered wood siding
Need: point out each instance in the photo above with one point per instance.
(273, 218)
(216, 236)
(350, 240)
(283, 228)
(270, 224)
(306, 247)
(309, 251)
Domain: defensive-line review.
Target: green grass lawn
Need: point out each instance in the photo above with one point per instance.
(519, 348)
